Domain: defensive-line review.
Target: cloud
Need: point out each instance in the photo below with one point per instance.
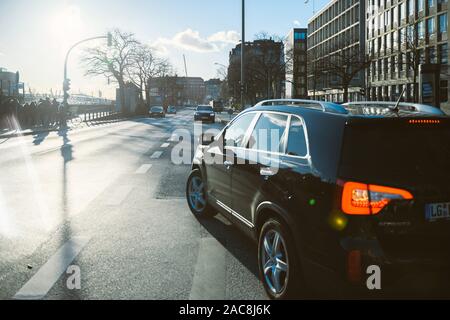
(296, 23)
(230, 37)
(191, 40)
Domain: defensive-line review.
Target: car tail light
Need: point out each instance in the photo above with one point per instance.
(368, 199)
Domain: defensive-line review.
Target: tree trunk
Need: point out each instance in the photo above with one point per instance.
(123, 107)
(416, 87)
(345, 98)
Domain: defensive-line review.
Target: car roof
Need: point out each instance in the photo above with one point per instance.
(361, 110)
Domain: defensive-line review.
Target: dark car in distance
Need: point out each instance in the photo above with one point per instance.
(157, 112)
(171, 110)
(205, 113)
(330, 192)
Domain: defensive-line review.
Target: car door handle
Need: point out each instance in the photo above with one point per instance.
(267, 172)
(228, 164)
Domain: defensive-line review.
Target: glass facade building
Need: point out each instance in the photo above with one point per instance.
(296, 64)
(401, 35)
(339, 26)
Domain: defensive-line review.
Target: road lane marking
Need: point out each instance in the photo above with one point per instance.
(165, 145)
(210, 272)
(118, 195)
(143, 169)
(41, 283)
(156, 155)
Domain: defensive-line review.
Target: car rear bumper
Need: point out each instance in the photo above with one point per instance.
(204, 118)
(399, 279)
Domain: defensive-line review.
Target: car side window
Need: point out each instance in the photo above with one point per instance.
(297, 140)
(235, 133)
(269, 133)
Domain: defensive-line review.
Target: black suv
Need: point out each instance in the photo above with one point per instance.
(329, 191)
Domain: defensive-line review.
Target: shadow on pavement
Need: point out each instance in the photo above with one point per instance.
(67, 232)
(40, 137)
(233, 240)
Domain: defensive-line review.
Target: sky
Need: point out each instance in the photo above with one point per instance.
(35, 35)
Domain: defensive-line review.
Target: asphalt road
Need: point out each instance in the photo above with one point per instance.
(106, 203)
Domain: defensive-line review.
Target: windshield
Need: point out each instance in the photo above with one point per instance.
(204, 108)
(156, 109)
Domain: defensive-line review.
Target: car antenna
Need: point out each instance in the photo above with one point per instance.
(396, 109)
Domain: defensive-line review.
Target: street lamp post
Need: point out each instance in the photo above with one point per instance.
(66, 83)
(243, 57)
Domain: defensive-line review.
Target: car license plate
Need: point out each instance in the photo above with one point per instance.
(437, 211)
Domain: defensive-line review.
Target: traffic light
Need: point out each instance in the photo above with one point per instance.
(66, 85)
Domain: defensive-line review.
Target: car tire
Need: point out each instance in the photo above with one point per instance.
(285, 262)
(198, 202)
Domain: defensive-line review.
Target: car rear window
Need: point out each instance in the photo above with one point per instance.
(400, 153)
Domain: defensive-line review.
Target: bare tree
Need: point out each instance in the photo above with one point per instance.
(222, 74)
(345, 64)
(411, 51)
(146, 66)
(113, 62)
(265, 70)
(315, 70)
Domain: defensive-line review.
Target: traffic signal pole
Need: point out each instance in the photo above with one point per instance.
(66, 83)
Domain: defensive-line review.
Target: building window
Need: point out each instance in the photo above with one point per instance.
(300, 36)
(409, 8)
(432, 55)
(420, 5)
(395, 15)
(430, 3)
(430, 26)
(421, 30)
(443, 53)
(443, 23)
(402, 11)
(421, 54)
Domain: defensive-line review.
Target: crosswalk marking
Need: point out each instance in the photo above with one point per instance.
(41, 283)
(156, 155)
(143, 169)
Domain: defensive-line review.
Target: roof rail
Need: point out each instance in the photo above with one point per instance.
(314, 104)
(412, 107)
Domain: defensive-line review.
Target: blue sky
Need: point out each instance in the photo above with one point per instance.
(36, 34)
